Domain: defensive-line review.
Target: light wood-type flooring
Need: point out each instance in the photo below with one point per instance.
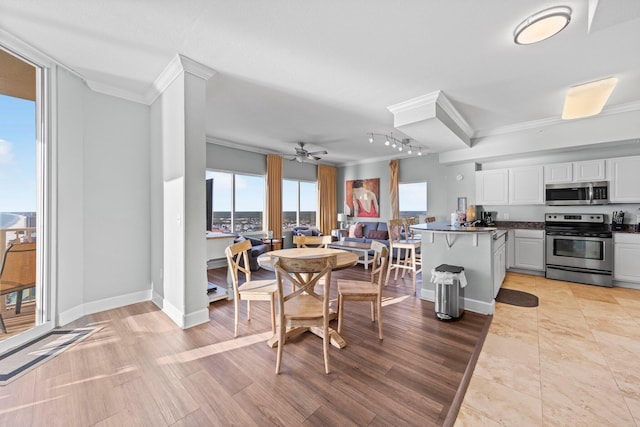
(572, 361)
(140, 369)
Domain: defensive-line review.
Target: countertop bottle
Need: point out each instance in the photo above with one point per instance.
(471, 213)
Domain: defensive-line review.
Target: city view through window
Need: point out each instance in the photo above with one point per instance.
(238, 202)
(298, 204)
(412, 197)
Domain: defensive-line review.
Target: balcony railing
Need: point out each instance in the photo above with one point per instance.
(8, 236)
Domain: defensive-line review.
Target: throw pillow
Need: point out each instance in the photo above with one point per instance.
(255, 242)
(355, 230)
(377, 234)
(305, 232)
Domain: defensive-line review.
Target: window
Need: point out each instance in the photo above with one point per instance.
(238, 202)
(298, 203)
(413, 199)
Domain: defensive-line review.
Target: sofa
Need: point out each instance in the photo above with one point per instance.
(367, 231)
(305, 231)
(257, 249)
(370, 230)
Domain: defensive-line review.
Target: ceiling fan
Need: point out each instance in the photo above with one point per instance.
(303, 155)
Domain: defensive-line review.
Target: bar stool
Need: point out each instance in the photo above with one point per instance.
(402, 245)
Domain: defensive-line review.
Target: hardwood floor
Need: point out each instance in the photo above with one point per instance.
(140, 369)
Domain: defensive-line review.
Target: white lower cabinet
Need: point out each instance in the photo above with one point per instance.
(626, 254)
(499, 266)
(529, 250)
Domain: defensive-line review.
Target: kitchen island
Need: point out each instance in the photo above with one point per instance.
(480, 250)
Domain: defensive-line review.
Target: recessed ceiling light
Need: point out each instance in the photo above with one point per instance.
(588, 99)
(542, 25)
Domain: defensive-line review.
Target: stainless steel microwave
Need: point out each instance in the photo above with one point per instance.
(577, 193)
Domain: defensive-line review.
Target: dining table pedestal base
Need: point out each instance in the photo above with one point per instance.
(336, 340)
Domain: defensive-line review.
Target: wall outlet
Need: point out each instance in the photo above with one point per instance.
(505, 216)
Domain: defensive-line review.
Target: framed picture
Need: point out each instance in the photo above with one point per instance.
(362, 197)
(462, 204)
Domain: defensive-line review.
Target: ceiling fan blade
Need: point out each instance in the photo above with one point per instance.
(313, 153)
(313, 157)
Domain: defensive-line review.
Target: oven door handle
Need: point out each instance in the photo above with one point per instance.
(590, 193)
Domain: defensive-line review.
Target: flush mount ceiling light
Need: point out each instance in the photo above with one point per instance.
(587, 99)
(542, 25)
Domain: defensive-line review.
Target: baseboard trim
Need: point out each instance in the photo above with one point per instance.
(102, 305)
(469, 304)
(628, 285)
(185, 321)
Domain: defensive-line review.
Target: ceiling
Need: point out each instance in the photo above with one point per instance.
(326, 72)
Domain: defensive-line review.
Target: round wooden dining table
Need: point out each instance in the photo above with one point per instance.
(344, 259)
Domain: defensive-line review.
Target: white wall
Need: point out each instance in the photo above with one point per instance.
(103, 201)
(443, 189)
(70, 211)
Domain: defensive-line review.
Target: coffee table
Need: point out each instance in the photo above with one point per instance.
(358, 247)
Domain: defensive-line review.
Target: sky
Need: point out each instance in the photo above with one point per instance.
(413, 196)
(17, 155)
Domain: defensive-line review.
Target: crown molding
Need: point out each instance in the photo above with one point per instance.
(434, 98)
(174, 68)
(534, 124)
(118, 92)
(238, 146)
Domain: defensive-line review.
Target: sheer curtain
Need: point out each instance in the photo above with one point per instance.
(393, 189)
(327, 203)
(274, 195)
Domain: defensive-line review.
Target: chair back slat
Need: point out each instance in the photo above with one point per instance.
(312, 241)
(235, 253)
(380, 262)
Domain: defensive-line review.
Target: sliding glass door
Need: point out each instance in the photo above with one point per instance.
(24, 298)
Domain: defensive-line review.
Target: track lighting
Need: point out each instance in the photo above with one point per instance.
(400, 144)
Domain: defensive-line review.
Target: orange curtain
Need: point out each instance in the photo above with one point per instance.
(393, 189)
(273, 218)
(327, 203)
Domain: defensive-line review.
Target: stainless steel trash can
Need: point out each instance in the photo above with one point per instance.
(447, 299)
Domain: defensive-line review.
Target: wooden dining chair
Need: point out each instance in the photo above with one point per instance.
(304, 307)
(405, 252)
(17, 273)
(359, 290)
(250, 290)
(312, 241)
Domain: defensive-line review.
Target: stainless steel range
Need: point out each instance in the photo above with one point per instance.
(579, 248)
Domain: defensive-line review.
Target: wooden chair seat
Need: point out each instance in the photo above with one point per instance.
(304, 307)
(357, 288)
(258, 288)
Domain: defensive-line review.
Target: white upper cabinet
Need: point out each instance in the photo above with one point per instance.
(624, 179)
(526, 185)
(591, 170)
(557, 173)
(492, 187)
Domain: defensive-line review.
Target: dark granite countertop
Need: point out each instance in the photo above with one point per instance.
(507, 225)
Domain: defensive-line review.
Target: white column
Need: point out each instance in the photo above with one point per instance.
(178, 144)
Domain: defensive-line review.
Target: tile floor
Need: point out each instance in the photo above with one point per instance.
(572, 361)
